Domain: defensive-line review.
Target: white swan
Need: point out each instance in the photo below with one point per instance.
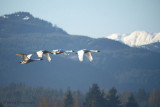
(87, 53)
(26, 58)
(59, 51)
(40, 54)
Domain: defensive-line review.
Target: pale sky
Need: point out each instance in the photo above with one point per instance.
(94, 18)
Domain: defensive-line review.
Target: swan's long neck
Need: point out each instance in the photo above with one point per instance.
(69, 51)
(55, 53)
(94, 51)
(38, 59)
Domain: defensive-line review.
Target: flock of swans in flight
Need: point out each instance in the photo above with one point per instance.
(41, 53)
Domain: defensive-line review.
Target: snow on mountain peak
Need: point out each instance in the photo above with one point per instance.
(5, 17)
(26, 18)
(136, 38)
(116, 36)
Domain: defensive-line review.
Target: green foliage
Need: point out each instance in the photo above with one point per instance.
(142, 97)
(1, 105)
(68, 100)
(94, 98)
(27, 96)
(28, 25)
(112, 98)
(131, 102)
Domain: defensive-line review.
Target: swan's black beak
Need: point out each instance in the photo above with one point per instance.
(35, 52)
(98, 51)
(20, 62)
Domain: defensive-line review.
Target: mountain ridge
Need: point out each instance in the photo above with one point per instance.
(24, 22)
(137, 38)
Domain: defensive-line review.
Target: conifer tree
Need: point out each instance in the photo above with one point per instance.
(94, 98)
(112, 98)
(131, 102)
(142, 98)
(68, 100)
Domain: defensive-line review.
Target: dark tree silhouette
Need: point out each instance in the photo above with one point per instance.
(131, 102)
(68, 100)
(112, 98)
(142, 98)
(94, 97)
(1, 105)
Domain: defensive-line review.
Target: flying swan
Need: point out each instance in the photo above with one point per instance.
(40, 54)
(59, 51)
(87, 53)
(26, 58)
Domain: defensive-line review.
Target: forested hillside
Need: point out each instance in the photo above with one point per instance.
(21, 95)
(24, 22)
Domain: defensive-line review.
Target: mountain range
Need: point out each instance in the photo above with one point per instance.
(117, 64)
(138, 39)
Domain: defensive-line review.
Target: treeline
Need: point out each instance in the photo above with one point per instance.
(20, 95)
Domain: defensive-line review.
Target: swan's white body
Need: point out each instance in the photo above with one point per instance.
(87, 53)
(40, 54)
(59, 51)
(26, 58)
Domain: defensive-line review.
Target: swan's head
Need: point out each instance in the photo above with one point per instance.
(22, 62)
(76, 52)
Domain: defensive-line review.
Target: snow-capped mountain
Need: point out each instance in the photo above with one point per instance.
(137, 38)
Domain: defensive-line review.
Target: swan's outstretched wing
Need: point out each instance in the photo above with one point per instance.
(29, 56)
(47, 56)
(40, 53)
(55, 52)
(23, 56)
(66, 52)
(89, 56)
(80, 55)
